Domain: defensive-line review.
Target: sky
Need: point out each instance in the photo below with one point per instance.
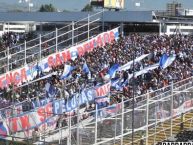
(76, 5)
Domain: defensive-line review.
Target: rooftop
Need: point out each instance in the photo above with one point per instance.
(108, 16)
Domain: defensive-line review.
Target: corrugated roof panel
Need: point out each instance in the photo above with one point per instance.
(129, 16)
(109, 16)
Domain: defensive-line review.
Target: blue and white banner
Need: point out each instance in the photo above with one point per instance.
(86, 96)
(27, 73)
(128, 65)
(145, 70)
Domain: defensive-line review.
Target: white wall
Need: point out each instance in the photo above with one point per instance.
(16, 27)
(186, 30)
(187, 12)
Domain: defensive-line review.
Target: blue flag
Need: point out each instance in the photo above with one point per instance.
(166, 61)
(85, 68)
(114, 82)
(119, 84)
(50, 90)
(163, 60)
(66, 72)
(113, 70)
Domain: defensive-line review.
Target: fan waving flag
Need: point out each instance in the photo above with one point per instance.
(50, 90)
(85, 68)
(166, 61)
(66, 72)
(113, 70)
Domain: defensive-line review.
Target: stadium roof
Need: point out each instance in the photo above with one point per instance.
(109, 16)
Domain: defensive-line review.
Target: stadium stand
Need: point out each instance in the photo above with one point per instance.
(11, 39)
(101, 59)
(97, 68)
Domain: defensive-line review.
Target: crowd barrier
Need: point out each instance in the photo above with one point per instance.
(159, 106)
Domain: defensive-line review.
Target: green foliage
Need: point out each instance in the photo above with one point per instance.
(87, 8)
(47, 8)
(66, 11)
(16, 10)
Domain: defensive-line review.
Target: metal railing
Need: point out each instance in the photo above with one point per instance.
(58, 40)
(102, 127)
(94, 129)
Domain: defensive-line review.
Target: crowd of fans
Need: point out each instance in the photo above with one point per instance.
(10, 43)
(101, 59)
(11, 39)
(184, 136)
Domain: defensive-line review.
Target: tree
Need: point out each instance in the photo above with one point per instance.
(47, 8)
(87, 8)
(65, 10)
(16, 10)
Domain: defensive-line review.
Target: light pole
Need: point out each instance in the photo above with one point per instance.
(30, 4)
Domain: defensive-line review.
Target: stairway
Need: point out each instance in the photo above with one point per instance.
(162, 131)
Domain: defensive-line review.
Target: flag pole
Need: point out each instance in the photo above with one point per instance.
(96, 118)
(133, 99)
(115, 133)
(122, 120)
(172, 106)
(77, 135)
(13, 107)
(147, 117)
(70, 130)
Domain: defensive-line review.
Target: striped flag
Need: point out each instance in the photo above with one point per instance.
(166, 61)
